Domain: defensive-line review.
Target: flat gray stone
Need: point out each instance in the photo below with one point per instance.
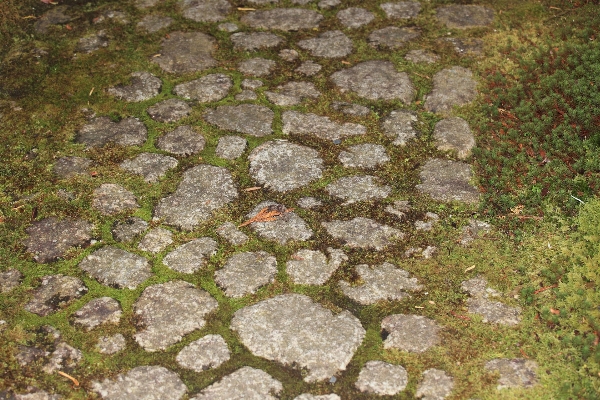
(251, 41)
(350, 109)
(308, 396)
(55, 16)
(169, 110)
(143, 86)
(191, 256)
(381, 378)
(392, 37)
(151, 166)
(375, 80)
(111, 344)
(453, 134)
(367, 156)
(310, 267)
(297, 123)
(252, 84)
(182, 141)
(143, 4)
(422, 56)
(154, 23)
(327, 4)
(353, 189)
(111, 199)
(63, 357)
(55, 292)
(100, 131)
(10, 279)
(287, 226)
(27, 355)
(203, 354)
(382, 282)
(168, 311)
(112, 16)
(452, 86)
(399, 208)
(355, 17)
(244, 273)
(330, 44)
(228, 27)
(412, 333)
(435, 385)
(246, 95)
(205, 10)
(185, 52)
(284, 166)
(203, 190)
(401, 9)
(446, 180)
(283, 19)
(117, 268)
(129, 229)
(292, 93)
(50, 238)
(293, 330)
(461, 16)
(103, 310)
(309, 68)
(428, 223)
(478, 287)
(156, 240)
(142, 383)
(363, 233)
(514, 373)
(288, 55)
(212, 87)
(309, 202)
(231, 147)
(465, 46)
(251, 119)
(400, 124)
(494, 312)
(244, 383)
(68, 167)
(256, 66)
(90, 43)
(232, 234)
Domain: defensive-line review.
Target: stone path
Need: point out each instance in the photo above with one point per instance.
(254, 203)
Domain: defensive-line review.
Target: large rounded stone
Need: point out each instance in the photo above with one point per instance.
(455, 135)
(142, 383)
(143, 86)
(184, 52)
(213, 87)
(363, 232)
(50, 238)
(453, 86)
(365, 155)
(331, 44)
(465, 16)
(381, 378)
(447, 180)
(252, 119)
(283, 19)
(205, 10)
(245, 383)
(412, 333)
(100, 131)
(116, 267)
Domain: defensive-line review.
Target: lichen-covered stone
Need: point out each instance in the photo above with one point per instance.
(111, 344)
(231, 147)
(452, 86)
(412, 333)
(128, 230)
(182, 141)
(363, 233)
(283, 19)
(110, 199)
(465, 16)
(355, 17)
(455, 135)
(9, 280)
(144, 382)
(381, 378)
(310, 267)
(393, 37)
(285, 227)
(205, 10)
(103, 310)
(447, 180)
(101, 131)
(191, 256)
(292, 93)
(400, 124)
(151, 166)
(435, 385)
(401, 9)
(185, 52)
(51, 238)
(244, 383)
(365, 155)
(256, 66)
(209, 88)
(68, 167)
(143, 86)
(156, 240)
(514, 373)
(244, 273)
(116, 267)
(297, 123)
(205, 353)
(54, 292)
(251, 119)
(154, 23)
(250, 41)
(170, 110)
(353, 189)
(330, 44)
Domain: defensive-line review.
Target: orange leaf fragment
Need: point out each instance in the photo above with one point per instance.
(251, 189)
(554, 311)
(75, 381)
(267, 214)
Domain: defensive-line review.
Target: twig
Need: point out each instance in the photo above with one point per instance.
(75, 381)
(540, 290)
(579, 200)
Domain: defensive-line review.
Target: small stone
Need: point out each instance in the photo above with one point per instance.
(93, 42)
(350, 109)
(129, 229)
(309, 68)
(182, 141)
(252, 84)
(185, 52)
(412, 333)
(205, 10)
(244, 383)
(232, 234)
(400, 124)
(355, 17)
(330, 44)
(365, 156)
(435, 385)
(297, 123)
(228, 27)
(103, 310)
(251, 119)
(145, 382)
(453, 86)
(117, 268)
(203, 354)
(156, 240)
(429, 252)
(460, 16)
(301, 2)
(401, 9)
(169, 110)
(256, 66)
(309, 267)
(422, 56)
(68, 167)
(111, 344)
(192, 256)
(446, 180)
(494, 312)
(209, 88)
(292, 93)
(353, 189)
(244, 273)
(143, 4)
(231, 147)
(110, 199)
(63, 357)
(54, 16)
(27, 355)
(363, 233)
(309, 202)
(245, 95)
(54, 292)
(288, 55)
(382, 379)
(466, 46)
(283, 19)
(393, 37)
(154, 23)
(9, 280)
(168, 311)
(251, 41)
(327, 4)
(454, 134)
(144, 86)
(514, 373)
(51, 238)
(100, 131)
(150, 166)
(112, 16)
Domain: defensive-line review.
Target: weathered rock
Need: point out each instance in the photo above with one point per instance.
(63, 357)
(232, 234)
(55, 292)
(27, 355)
(285, 227)
(256, 66)
(244, 273)
(110, 199)
(382, 379)
(252, 84)
(100, 131)
(245, 383)
(34, 395)
(54, 16)
(231, 147)
(393, 37)
(50, 238)
(205, 353)
(154, 23)
(205, 10)
(168, 311)
(255, 40)
(68, 167)
(182, 141)
(293, 330)
(129, 229)
(460, 16)
(297, 123)
(288, 55)
(401, 9)
(308, 396)
(514, 373)
(350, 109)
(327, 4)
(169, 110)
(353, 189)
(401, 125)
(143, 86)
(330, 44)
(156, 240)
(92, 42)
(429, 221)
(252, 119)
(190, 257)
(376, 80)
(466, 46)
(283, 166)
(453, 86)
(143, 4)
(145, 382)
(455, 135)
(246, 95)
(435, 385)
(412, 333)
(478, 287)
(151, 166)
(446, 180)
(113, 16)
(111, 344)
(309, 202)
(494, 311)
(309, 68)
(185, 52)
(10, 279)
(115, 267)
(365, 155)
(204, 189)
(228, 27)
(292, 93)
(363, 232)
(355, 17)
(213, 87)
(283, 19)
(399, 208)
(103, 310)
(422, 56)
(474, 230)
(309, 267)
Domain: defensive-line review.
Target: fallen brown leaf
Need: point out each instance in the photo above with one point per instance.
(75, 381)
(267, 214)
(554, 311)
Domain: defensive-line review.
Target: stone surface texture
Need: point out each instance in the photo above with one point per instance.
(55, 292)
(191, 256)
(103, 310)
(455, 135)
(393, 37)
(50, 238)
(116, 267)
(412, 333)
(435, 385)
(186, 52)
(297, 123)
(401, 9)
(150, 166)
(169, 110)
(205, 10)
(357, 188)
(143, 86)
(244, 273)
(111, 344)
(381, 378)
(111, 198)
(446, 180)
(310, 267)
(292, 93)
(283, 19)
(156, 240)
(251, 119)
(363, 233)
(231, 147)
(330, 44)
(514, 373)
(459, 16)
(144, 382)
(365, 156)
(209, 88)
(244, 383)
(250, 41)
(285, 226)
(68, 167)
(182, 141)
(355, 17)
(101, 131)
(10, 279)
(205, 353)
(452, 86)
